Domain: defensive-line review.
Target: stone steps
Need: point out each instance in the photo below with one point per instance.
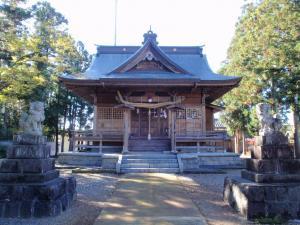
(149, 163)
(150, 156)
(156, 161)
(150, 170)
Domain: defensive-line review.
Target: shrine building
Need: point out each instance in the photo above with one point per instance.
(151, 98)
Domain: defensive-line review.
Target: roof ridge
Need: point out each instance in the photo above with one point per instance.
(140, 55)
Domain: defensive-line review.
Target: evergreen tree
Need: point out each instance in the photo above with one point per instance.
(266, 52)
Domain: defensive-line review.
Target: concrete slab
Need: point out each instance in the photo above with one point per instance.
(150, 199)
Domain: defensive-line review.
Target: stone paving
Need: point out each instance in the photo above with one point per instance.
(150, 199)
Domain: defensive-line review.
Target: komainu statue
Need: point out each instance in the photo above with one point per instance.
(31, 122)
(269, 124)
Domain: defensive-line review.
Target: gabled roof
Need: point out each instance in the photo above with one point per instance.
(152, 53)
(178, 62)
(150, 65)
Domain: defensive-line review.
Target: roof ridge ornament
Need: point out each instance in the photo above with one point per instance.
(150, 36)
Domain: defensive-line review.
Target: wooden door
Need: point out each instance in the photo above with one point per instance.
(140, 123)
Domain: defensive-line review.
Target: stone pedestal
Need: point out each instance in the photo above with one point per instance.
(270, 185)
(29, 184)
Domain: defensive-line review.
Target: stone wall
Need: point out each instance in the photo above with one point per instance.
(80, 158)
(109, 161)
(211, 160)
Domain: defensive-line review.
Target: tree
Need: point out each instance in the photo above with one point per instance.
(17, 77)
(266, 52)
(31, 59)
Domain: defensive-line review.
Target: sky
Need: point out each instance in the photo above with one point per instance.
(176, 22)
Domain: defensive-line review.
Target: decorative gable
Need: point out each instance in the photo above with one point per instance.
(150, 63)
(149, 58)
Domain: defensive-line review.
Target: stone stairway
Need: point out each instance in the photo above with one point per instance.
(149, 162)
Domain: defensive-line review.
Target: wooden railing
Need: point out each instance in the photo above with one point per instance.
(88, 139)
(213, 140)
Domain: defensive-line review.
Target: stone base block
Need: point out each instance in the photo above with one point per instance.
(281, 166)
(28, 152)
(37, 200)
(254, 200)
(29, 139)
(28, 177)
(275, 138)
(272, 152)
(270, 178)
(26, 165)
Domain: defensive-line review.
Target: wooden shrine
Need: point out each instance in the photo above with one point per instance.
(151, 93)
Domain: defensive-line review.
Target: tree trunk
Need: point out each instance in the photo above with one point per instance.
(5, 121)
(297, 128)
(57, 121)
(237, 142)
(63, 132)
(243, 143)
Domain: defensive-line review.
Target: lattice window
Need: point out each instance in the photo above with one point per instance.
(193, 113)
(108, 113)
(180, 114)
(189, 113)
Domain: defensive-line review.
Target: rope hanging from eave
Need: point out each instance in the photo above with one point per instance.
(147, 105)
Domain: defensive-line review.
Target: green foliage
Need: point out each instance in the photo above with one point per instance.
(31, 59)
(265, 52)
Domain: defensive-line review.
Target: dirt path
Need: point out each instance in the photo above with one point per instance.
(150, 199)
(206, 191)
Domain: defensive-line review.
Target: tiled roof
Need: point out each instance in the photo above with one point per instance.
(187, 59)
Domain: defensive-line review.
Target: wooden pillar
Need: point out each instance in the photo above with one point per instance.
(95, 114)
(173, 130)
(149, 124)
(203, 109)
(198, 146)
(101, 143)
(126, 131)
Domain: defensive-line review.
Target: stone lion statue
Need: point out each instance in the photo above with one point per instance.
(269, 124)
(31, 122)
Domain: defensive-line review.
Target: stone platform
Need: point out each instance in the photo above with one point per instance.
(254, 200)
(270, 185)
(29, 184)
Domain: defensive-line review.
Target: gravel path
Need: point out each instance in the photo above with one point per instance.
(206, 191)
(93, 191)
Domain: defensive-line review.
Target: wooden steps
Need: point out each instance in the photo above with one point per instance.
(154, 145)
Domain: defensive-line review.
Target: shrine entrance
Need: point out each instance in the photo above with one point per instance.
(149, 121)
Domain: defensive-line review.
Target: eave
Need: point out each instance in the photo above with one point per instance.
(86, 88)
